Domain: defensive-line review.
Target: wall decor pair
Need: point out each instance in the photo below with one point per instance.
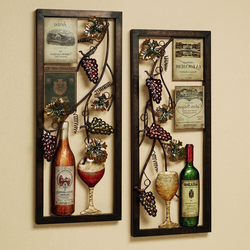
(79, 82)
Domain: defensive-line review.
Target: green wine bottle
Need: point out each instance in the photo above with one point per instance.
(189, 192)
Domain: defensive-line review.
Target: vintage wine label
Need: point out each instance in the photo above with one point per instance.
(60, 82)
(188, 59)
(64, 185)
(60, 40)
(190, 198)
(189, 110)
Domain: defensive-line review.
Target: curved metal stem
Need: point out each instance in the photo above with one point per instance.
(146, 163)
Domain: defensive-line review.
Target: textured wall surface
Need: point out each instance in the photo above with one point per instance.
(229, 22)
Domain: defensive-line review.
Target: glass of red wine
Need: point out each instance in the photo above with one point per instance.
(91, 173)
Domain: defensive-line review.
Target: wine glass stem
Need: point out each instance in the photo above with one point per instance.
(91, 193)
(168, 211)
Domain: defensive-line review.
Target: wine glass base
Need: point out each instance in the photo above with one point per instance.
(91, 210)
(168, 224)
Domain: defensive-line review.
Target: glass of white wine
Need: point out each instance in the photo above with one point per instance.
(167, 185)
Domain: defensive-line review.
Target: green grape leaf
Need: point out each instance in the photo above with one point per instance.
(176, 151)
(57, 110)
(100, 103)
(95, 28)
(164, 113)
(150, 50)
(95, 150)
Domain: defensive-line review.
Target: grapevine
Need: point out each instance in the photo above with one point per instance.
(95, 31)
(152, 50)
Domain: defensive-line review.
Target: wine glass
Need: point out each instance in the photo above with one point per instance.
(167, 186)
(91, 173)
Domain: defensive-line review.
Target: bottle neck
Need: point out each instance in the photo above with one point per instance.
(189, 154)
(64, 131)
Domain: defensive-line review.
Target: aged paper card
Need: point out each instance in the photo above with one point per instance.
(188, 60)
(60, 40)
(189, 110)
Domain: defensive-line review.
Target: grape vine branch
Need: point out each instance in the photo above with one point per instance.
(96, 30)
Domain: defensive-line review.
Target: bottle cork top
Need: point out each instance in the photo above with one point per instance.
(65, 125)
(64, 130)
(189, 151)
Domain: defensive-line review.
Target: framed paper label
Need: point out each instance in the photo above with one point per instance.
(188, 59)
(60, 40)
(189, 109)
(60, 82)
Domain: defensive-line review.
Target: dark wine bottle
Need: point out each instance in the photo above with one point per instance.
(63, 176)
(189, 192)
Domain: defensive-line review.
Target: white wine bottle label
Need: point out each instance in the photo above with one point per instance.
(64, 185)
(190, 198)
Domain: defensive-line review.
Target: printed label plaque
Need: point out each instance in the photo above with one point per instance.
(60, 82)
(189, 110)
(60, 40)
(188, 59)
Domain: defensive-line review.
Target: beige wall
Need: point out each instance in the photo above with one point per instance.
(229, 22)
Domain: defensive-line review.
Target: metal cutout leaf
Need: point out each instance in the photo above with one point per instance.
(164, 113)
(95, 28)
(57, 110)
(96, 150)
(176, 151)
(150, 51)
(100, 102)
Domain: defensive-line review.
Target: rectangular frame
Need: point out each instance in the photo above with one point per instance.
(135, 209)
(116, 215)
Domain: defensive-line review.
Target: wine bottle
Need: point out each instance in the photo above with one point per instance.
(189, 192)
(63, 176)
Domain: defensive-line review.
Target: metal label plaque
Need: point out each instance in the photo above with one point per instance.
(60, 82)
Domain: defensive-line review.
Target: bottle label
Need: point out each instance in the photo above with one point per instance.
(190, 198)
(64, 185)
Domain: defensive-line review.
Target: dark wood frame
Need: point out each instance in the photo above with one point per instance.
(135, 209)
(116, 215)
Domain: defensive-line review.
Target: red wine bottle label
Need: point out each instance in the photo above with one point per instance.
(190, 198)
(64, 185)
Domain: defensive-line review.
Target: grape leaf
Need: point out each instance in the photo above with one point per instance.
(96, 150)
(150, 51)
(100, 103)
(164, 113)
(95, 28)
(57, 110)
(176, 151)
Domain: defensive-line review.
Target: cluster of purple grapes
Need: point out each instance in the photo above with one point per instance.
(91, 68)
(49, 145)
(148, 202)
(157, 132)
(155, 88)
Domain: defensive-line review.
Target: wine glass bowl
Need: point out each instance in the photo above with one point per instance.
(90, 173)
(167, 185)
